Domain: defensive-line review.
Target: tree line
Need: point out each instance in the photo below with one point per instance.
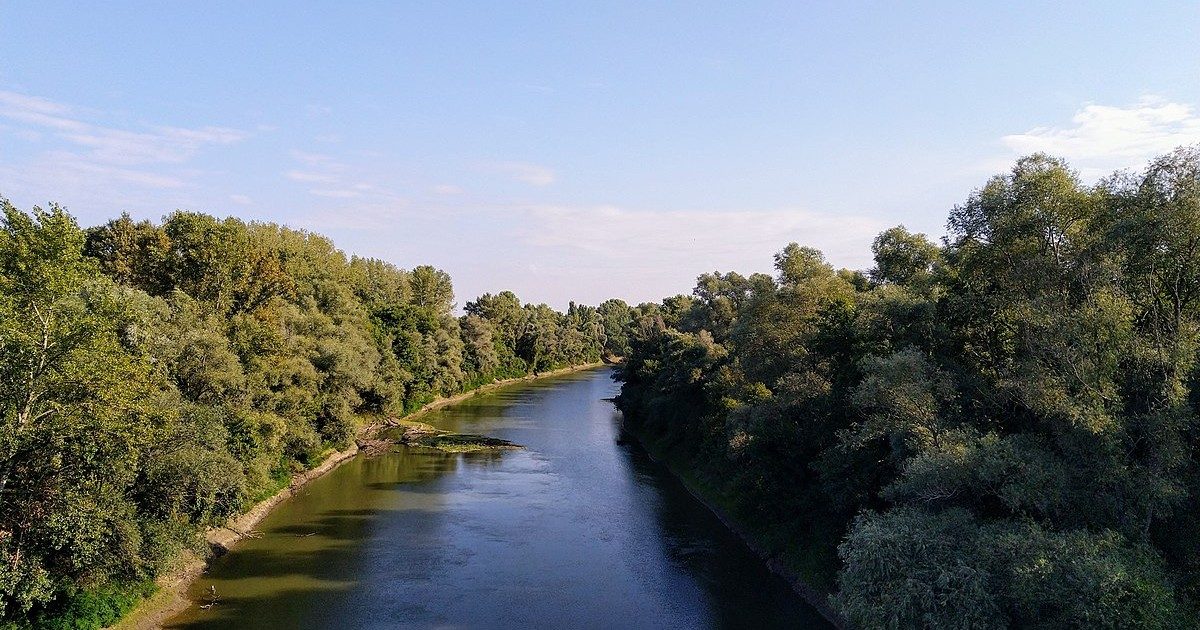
(999, 430)
(156, 379)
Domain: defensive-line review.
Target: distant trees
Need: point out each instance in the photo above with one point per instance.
(535, 338)
(1000, 431)
(157, 378)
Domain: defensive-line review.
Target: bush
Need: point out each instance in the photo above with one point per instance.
(90, 609)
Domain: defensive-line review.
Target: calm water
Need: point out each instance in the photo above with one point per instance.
(576, 531)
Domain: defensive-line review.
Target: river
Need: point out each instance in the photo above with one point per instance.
(574, 531)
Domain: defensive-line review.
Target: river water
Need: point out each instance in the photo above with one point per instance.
(575, 531)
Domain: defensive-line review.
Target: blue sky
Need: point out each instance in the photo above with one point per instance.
(571, 151)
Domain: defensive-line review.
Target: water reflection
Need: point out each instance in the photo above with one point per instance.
(573, 531)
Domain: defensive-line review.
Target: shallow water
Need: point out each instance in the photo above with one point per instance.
(575, 531)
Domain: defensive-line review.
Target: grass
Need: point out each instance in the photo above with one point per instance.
(281, 476)
(420, 434)
(464, 443)
(414, 425)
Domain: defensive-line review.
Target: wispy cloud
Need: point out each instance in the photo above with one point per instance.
(532, 174)
(698, 240)
(335, 193)
(1103, 138)
(79, 169)
(241, 200)
(362, 215)
(38, 111)
(104, 162)
(311, 177)
(447, 189)
(163, 145)
(593, 252)
(155, 145)
(331, 179)
(318, 159)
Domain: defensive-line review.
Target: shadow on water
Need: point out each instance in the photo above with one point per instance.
(574, 531)
(311, 550)
(695, 541)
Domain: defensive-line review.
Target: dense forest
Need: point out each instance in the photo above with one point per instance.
(999, 430)
(156, 379)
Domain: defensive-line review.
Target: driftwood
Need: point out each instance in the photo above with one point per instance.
(212, 598)
(250, 533)
(373, 446)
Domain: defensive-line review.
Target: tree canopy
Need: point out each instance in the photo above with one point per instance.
(996, 431)
(157, 378)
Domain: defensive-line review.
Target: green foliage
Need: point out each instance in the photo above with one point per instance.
(73, 415)
(1002, 428)
(961, 572)
(157, 379)
(92, 609)
(903, 258)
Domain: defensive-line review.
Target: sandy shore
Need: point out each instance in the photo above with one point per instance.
(171, 598)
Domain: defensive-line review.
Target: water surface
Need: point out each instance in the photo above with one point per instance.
(575, 531)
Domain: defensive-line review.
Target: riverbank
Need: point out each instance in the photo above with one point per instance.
(716, 503)
(171, 597)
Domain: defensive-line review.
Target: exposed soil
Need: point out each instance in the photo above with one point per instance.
(171, 598)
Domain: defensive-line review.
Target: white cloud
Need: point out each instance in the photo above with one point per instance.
(77, 169)
(335, 193)
(317, 159)
(447, 189)
(109, 145)
(698, 240)
(1104, 138)
(532, 174)
(38, 111)
(165, 145)
(310, 177)
(241, 200)
(92, 190)
(362, 215)
(78, 159)
(33, 104)
(332, 180)
(590, 253)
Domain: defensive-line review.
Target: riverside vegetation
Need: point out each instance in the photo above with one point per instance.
(156, 379)
(997, 431)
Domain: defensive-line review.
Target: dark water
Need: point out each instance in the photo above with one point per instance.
(576, 531)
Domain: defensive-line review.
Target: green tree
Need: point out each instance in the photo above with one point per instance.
(904, 258)
(72, 404)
